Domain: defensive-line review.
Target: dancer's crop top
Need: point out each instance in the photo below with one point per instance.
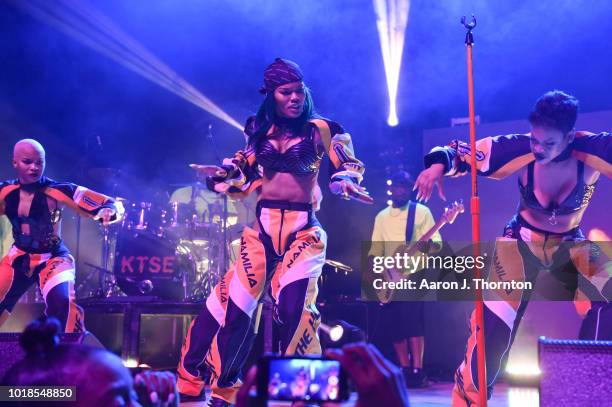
(41, 219)
(299, 159)
(499, 156)
(579, 197)
(244, 173)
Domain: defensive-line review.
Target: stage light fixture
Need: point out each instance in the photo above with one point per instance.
(336, 332)
(341, 333)
(523, 397)
(130, 363)
(527, 370)
(598, 235)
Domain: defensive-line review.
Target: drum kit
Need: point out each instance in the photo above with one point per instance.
(175, 251)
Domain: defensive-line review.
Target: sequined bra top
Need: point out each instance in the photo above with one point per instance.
(299, 159)
(578, 199)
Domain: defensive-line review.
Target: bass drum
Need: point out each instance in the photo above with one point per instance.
(149, 265)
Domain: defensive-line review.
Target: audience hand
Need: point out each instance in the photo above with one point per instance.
(378, 381)
(156, 389)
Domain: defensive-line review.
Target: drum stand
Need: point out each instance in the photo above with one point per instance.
(106, 284)
(219, 253)
(185, 279)
(104, 288)
(219, 271)
(104, 261)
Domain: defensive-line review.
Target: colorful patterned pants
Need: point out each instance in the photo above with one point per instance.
(55, 274)
(560, 266)
(285, 256)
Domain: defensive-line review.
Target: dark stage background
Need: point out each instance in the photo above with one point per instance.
(90, 112)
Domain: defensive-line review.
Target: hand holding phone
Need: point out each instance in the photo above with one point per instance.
(302, 378)
(378, 381)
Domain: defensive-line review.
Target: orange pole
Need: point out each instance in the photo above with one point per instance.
(475, 212)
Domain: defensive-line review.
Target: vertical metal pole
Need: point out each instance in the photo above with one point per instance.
(225, 264)
(78, 240)
(475, 212)
(104, 262)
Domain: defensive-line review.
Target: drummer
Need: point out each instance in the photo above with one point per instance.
(208, 206)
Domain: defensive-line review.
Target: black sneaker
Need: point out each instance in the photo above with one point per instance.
(217, 402)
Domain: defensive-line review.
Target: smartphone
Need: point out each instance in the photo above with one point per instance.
(302, 378)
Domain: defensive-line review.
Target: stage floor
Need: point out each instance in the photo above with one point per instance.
(438, 395)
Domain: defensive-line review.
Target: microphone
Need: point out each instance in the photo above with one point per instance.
(231, 171)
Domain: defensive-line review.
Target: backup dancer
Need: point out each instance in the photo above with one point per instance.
(557, 169)
(33, 205)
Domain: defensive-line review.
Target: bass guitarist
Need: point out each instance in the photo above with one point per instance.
(404, 221)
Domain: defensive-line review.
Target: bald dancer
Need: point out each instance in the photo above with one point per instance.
(33, 204)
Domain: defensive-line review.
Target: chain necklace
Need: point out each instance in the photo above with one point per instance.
(553, 218)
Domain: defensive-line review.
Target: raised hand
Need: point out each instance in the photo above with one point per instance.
(349, 190)
(105, 215)
(156, 389)
(426, 181)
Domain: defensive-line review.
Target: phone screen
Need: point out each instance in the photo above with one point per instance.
(304, 379)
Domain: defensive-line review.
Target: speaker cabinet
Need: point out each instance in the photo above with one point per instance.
(575, 373)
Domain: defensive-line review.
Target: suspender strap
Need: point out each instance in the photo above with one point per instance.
(410, 220)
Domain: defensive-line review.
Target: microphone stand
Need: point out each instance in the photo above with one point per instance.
(224, 264)
(475, 211)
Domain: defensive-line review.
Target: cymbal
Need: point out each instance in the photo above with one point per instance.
(338, 265)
